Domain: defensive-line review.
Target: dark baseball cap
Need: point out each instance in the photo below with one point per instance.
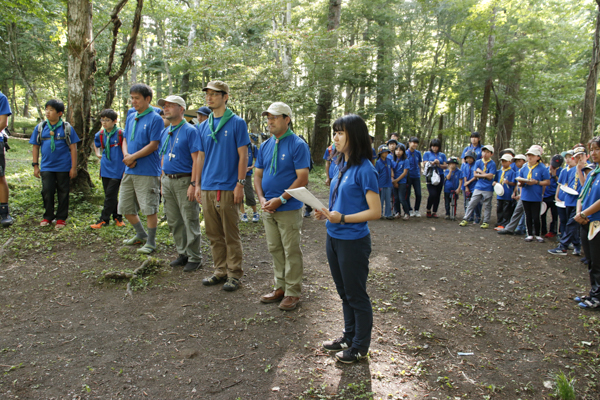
(557, 161)
(204, 111)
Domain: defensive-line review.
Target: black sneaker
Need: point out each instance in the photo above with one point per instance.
(213, 280)
(337, 344)
(181, 260)
(351, 355)
(231, 285)
(192, 266)
(6, 220)
(505, 232)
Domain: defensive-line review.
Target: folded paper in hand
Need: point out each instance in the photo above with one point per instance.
(306, 197)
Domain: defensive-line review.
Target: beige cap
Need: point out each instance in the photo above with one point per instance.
(506, 157)
(520, 157)
(578, 150)
(537, 146)
(278, 108)
(172, 99)
(534, 150)
(509, 150)
(218, 86)
(488, 147)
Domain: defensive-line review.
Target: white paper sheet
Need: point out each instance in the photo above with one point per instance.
(306, 197)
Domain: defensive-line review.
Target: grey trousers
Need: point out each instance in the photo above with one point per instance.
(477, 197)
(516, 217)
(182, 217)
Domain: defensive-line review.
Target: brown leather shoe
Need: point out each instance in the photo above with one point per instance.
(289, 303)
(272, 297)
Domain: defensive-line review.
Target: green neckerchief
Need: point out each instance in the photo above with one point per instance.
(163, 149)
(138, 116)
(52, 132)
(273, 169)
(588, 183)
(226, 117)
(107, 141)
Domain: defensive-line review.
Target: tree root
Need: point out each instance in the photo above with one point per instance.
(149, 266)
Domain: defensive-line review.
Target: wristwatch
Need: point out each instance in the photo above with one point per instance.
(33, 164)
(282, 199)
(242, 182)
(343, 220)
(193, 183)
(582, 215)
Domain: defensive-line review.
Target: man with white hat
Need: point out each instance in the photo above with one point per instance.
(485, 171)
(220, 179)
(179, 153)
(282, 163)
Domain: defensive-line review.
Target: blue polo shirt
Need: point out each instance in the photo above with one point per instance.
(484, 184)
(571, 200)
(114, 167)
(4, 110)
(384, 172)
(592, 197)
(351, 199)
(132, 111)
(509, 176)
(183, 142)
(58, 160)
(327, 157)
(533, 192)
(513, 166)
(292, 154)
(399, 167)
(220, 170)
(252, 154)
(468, 170)
(563, 179)
(551, 190)
(431, 157)
(374, 154)
(454, 182)
(414, 159)
(148, 129)
(477, 151)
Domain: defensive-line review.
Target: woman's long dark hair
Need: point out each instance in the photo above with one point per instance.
(435, 142)
(400, 146)
(358, 140)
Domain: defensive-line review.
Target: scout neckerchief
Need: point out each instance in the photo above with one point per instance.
(576, 180)
(226, 117)
(341, 173)
(137, 117)
(53, 132)
(485, 163)
(172, 128)
(502, 176)
(107, 140)
(588, 183)
(273, 169)
(531, 168)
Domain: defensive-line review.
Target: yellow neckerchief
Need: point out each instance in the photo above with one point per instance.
(576, 179)
(502, 176)
(531, 168)
(485, 163)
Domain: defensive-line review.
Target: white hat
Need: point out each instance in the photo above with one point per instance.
(578, 150)
(509, 150)
(537, 146)
(488, 147)
(278, 108)
(172, 99)
(506, 157)
(534, 150)
(520, 157)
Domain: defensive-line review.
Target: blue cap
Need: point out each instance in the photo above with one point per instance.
(204, 111)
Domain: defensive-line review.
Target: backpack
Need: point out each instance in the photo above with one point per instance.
(67, 128)
(119, 133)
(312, 163)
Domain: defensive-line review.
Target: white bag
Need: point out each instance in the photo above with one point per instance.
(435, 178)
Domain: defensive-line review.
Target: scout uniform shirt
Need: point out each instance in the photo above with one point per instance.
(58, 160)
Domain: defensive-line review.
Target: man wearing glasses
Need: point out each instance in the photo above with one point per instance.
(220, 179)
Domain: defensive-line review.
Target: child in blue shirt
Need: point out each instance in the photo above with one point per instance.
(537, 177)
(248, 187)
(415, 163)
(384, 171)
(5, 218)
(469, 181)
(437, 160)
(452, 186)
(485, 171)
(505, 205)
(560, 195)
(59, 161)
(554, 170)
(400, 172)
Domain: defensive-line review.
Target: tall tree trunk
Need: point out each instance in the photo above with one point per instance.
(26, 104)
(286, 49)
(487, 91)
(589, 104)
(185, 79)
(506, 116)
(14, 104)
(322, 131)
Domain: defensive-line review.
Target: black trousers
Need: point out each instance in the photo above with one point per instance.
(59, 183)
(554, 212)
(504, 210)
(532, 216)
(591, 248)
(435, 194)
(111, 199)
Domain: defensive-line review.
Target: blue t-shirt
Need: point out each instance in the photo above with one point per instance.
(157, 110)
(468, 170)
(252, 154)
(513, 166)
(454, 182)
(563, 179)
(4, 110)
(384, 172)
(58, 160)
(352, 199)
(221, 159)
(414, 159)
(148, 129)
(399, 167)
(485, 184)
(551, 190)
(114, 167)
(292, 154)
(431, 157)
(183, 142)
(327, 157)
(477, 151)
(374, 154)
(533, 192)
(509, 176)
(592, 197)
(574, 183)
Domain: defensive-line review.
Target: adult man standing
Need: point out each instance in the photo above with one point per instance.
(220, 179)
(5, 218)
(179, 152)
(283, 162)
(140, 186)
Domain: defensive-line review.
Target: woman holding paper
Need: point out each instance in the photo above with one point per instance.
(353, 200)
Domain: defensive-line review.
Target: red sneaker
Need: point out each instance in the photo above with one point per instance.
(550, 235)
(96, 226)
(45, 222)
(60, 223)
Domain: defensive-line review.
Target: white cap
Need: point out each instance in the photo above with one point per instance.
(172, 99)
(534, 150)
(506, 157)
(578, 150)
(520, 157)
(488, 147)
(278, 108)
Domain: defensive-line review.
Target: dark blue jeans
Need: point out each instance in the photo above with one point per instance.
(591, 248)
(349, 266)
(400, 198)
(563, 218)
(416, 184)
(571, 234)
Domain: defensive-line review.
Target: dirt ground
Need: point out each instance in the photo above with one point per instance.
(437, 290)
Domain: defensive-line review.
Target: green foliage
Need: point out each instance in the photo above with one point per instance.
(565, 387)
